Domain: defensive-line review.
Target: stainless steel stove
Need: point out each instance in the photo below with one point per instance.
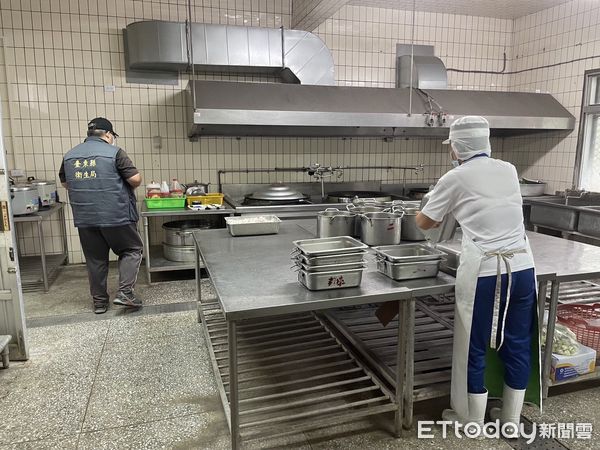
(309, 206)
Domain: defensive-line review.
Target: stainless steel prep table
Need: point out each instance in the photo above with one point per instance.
(47, 265)
(155, 261)
(253, 282)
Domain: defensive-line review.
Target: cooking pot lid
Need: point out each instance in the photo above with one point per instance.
(21, 187)
(359, 194)
(277, 192)
(42, 183)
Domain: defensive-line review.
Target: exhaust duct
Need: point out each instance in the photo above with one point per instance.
(297, 56)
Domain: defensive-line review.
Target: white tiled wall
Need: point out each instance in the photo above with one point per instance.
(556, 35)
(363, 41)
(60, 55)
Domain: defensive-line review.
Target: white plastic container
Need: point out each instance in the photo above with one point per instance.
(253, 225)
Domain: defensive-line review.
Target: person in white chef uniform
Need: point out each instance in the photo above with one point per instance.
(496, 340)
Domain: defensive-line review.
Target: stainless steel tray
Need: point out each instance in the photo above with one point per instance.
(253, 225)
(340, 279)
(329, 246)
(408, 253)
(332, 267)
(331, 259)
(410, 270)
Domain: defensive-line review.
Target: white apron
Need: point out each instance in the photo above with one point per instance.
(466, 284)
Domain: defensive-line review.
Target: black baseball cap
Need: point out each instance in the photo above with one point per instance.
(100, 123)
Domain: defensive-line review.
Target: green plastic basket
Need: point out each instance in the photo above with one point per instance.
(165, 203)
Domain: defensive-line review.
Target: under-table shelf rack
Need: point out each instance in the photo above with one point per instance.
(293, 375)
(377, 344)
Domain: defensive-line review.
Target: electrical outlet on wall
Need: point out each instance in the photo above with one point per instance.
(17, 173)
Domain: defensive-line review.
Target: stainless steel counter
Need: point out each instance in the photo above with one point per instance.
(253, 282)
(556, 258)
(145, 212)
(153, 254)
(253, 278)
(38, 272)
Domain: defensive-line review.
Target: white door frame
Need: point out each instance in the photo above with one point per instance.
(12, 310)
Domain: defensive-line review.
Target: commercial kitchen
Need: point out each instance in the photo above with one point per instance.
(288, 153)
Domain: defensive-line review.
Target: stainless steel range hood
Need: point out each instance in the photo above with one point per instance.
(273, 109)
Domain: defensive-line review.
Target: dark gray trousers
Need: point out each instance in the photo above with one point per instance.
(125, 242)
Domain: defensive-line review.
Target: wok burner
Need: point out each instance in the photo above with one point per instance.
(255, 202)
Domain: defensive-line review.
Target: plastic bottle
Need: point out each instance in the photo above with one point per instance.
(153, 189)
(164, 189)
(176, 189)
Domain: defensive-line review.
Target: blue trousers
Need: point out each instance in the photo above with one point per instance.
(515, 352)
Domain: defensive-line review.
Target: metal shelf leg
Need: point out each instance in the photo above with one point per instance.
(547, 363)
(147, 248)
(5, 357)
(198, 285)
(400, 370)
(234, 410)
(409, 360)
(43, 255)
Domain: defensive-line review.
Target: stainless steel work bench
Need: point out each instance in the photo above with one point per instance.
(39, 271)
(276, 334)
(153, 254)
(280, 366)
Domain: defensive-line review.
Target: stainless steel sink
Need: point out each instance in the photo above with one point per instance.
(565, 213)
(571, 201)
(554, 213)
(589, 221)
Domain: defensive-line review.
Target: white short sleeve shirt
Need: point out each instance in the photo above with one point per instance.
(485, 198)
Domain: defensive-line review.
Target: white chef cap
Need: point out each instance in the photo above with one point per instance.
(470, 136)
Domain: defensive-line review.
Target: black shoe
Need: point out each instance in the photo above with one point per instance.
(100, 308)
(128, 300)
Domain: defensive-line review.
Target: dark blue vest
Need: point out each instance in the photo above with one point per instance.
(98, 195)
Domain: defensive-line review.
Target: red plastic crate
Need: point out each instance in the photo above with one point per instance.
(584, 321)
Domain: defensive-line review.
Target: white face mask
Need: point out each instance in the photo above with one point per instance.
(455, 163)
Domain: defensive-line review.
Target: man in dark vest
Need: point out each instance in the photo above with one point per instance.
(101, 180)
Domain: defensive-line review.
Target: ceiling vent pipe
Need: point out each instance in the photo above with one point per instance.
(297, 56)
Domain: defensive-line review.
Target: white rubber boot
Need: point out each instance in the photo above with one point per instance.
(477, 404)
(512, 404)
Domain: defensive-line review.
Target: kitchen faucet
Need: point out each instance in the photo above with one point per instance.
(320, 172)
(574, 193)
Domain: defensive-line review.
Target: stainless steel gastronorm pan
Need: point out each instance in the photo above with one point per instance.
(331, 259)
(333, 267)
(408, 253)
(339, 279)
(329, 246)
(410, 270)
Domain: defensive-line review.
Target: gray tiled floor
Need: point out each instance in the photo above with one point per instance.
(146, 382)
(70, 293)
(48, 394)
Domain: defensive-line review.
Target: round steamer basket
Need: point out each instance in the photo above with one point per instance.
(584, 321)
